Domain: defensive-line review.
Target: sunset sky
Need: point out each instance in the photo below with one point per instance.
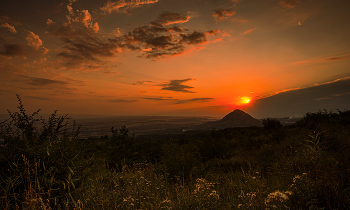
(270, 58)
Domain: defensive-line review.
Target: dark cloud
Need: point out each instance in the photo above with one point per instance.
(302, 100)
(193, 100)
(167, 18)
(345, 57)
(83, 51)
(212, 32)
(83, 45)
(36, 81)
(143, 82)
(156, 41)
(122, 101)
(222, 14)
(289, 3)
(194, 38)
(177, 86)
(79, 36)
(12, 50)
(158, 98)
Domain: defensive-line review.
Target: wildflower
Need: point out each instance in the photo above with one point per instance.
(296, 178)
(214, 194)
(288, 192)
(277, 196)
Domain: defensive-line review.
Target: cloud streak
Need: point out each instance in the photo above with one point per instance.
(194, 100)
(122, 5)
(328, 95)
(177, 86)
(37, 98)
(327, 59)
(36, 81)
(289, 3)
(158, 98)
(168, 18)
(123, 101)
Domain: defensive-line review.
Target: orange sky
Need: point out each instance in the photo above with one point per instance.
(175, 57)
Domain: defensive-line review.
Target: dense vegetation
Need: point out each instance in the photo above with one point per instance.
(45, 165)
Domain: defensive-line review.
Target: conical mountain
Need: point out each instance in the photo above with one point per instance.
(237, 118)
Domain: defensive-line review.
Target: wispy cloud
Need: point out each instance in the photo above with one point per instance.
(12, 50)
(194, 100)
(177, 86)
(145, 82)
(35, 42)
(320, 99)
(7, 19)
(122, 5)
(167, 18)
(314, 85)
(338, 58)
(159, 98)
(328, 95)
(248, 31)
(223, 14)
(341, 94)
(327, 59)
(36, 98)
(178, 101)
(36, 81)
(111, 72)
(9, 27)
(289, 3)
(123, 100)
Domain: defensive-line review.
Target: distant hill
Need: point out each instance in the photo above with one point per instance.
(237, 118)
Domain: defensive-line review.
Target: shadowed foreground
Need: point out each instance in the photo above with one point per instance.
(301, 166)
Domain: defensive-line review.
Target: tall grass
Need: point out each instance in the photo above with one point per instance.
(304, 166)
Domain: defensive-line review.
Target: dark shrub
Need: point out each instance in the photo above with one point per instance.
(179, 160)
(270, 123)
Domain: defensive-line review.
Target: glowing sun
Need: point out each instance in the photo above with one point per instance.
(245, 100)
